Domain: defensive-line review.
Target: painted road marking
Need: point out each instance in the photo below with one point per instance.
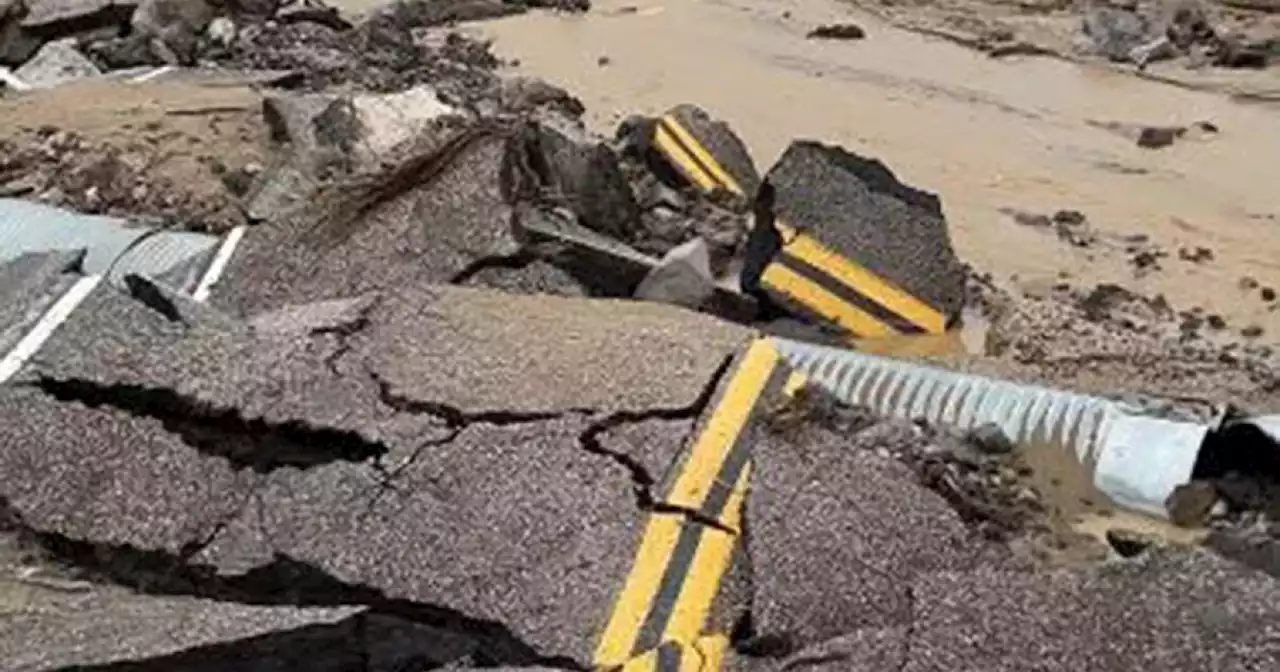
(677, 568)
(815, 277)
(705, 654)
(30, 344)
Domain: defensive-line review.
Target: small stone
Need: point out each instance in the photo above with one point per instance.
(1219, 509)
(1251, 331)
(1268, 294)
(1189, 504)
(1215, 322)
(989, 438)
(221, 31)
(603, 61)
(1248, 284)
(1129, 543)
(837, 31)
(1153, 137)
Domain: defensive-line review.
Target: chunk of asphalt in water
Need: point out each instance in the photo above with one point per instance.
(858, 208)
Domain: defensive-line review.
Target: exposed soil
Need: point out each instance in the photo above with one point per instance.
(151, 150)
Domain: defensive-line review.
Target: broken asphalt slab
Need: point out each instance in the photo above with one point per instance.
(477, 499)
(840, 238)
(458, 207)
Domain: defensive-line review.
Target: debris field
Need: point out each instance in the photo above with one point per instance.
(327, 345)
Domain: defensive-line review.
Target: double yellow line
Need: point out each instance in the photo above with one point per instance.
(675, 575)
(805, 272)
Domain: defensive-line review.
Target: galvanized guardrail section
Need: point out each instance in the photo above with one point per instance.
(1136, 459)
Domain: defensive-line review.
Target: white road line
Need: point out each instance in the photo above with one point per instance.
(45, 326)
(219, 264)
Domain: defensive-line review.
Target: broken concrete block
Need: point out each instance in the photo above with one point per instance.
(581, 173)
(56, 63)
(428, 220)
(705, 153)
(683, 277)
(838, 239)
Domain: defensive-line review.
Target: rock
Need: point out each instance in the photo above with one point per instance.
(221, 31)
(1189, 505)
(56, 63)
(683, 277)
(313, 12)
(174, 26)
(990, 439)
(837, 31)
(1153, 137)
(581, 173)
(118, 53)
(1115, 33)
(1129, 543)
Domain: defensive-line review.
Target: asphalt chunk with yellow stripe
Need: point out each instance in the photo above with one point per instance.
(854, 247)
(705, 152)
(813, 260)
(688, 543)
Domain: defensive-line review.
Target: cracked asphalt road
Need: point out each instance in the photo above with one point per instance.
(349, 462)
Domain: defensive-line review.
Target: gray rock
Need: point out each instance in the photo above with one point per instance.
(175, 27)
(56, 63)
(582, 173)
(683, 277)
(1116, 33)
(221, 32)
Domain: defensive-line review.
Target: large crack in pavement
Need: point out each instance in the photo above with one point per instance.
(283, 582)
(252, 443)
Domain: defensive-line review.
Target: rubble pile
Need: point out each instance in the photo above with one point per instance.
(465, 385)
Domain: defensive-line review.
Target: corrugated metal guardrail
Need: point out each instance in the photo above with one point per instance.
(1136, 459)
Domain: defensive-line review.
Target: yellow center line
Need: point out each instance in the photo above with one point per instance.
(815, 297)
(641, 586)
(701, 154)
(866, 283)
(699, 473)
(683, 162)
(715, 550)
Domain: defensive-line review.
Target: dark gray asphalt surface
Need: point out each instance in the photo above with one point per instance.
(857, 207)
(423, 234)
(838, 535)
(407, 452)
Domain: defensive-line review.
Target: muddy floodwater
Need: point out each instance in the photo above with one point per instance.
(988, 135)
